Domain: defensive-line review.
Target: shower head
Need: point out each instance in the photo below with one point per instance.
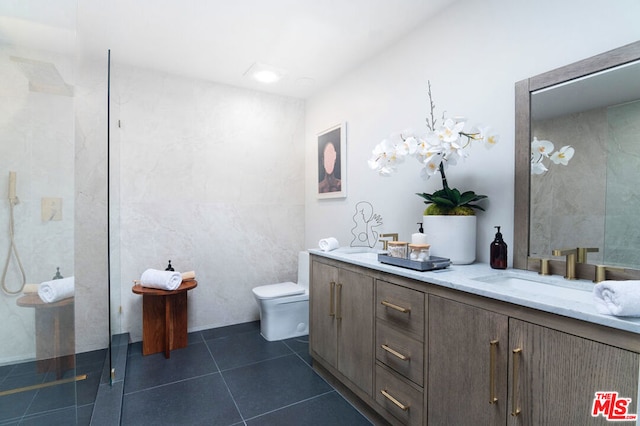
(43, 77)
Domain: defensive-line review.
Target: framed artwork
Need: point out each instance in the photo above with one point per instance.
(332, 162)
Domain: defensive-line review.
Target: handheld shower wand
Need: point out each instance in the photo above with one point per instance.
(13, 200)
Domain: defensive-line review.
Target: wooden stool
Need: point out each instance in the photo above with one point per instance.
(55, 333)
(164, 318)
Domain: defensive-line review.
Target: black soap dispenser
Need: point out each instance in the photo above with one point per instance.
(498, 251)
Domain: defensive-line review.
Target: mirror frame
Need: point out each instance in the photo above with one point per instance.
(523, 91)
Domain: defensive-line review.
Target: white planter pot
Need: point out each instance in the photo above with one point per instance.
(453, 237)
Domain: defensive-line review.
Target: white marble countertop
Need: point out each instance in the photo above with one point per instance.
(552, 294)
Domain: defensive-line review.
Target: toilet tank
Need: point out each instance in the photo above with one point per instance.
(303, 269)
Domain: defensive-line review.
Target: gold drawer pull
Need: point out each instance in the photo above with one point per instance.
(332, 296)
(394, 352)
(339, 302)
(515, 405)
(396, 307)
(493, 348)
(395, 401)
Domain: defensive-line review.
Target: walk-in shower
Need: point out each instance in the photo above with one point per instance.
(37, 150)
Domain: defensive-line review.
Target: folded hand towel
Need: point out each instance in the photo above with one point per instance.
(620, 298)
(163, 280)
(55, 290)
(191, 275)
(328, 244)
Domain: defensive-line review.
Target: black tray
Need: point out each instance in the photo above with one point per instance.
(433, 263)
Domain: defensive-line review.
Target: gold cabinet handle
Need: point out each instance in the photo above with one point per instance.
(396, 307)
(399, 404)
(339, 302)
(332, 296)
(394, 352)
(515, 406)
(493, 349)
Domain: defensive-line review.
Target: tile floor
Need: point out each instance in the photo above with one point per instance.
(231, 376)
(55, 405)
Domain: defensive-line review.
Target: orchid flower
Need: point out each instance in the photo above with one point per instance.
(442, 146)
(542, 149)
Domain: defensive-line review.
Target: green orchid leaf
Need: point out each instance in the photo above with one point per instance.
(443, 202)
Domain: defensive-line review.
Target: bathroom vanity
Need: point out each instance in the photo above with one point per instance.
(468, 345)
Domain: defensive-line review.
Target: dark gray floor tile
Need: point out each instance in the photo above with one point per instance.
(53, 398)
(84, 415)
(135, 348)
(152, 370)
(200, 401)
(298, 344)
(194, 337)
(87, 389)
(230, 330)
(85, 359)
(325, 410)
(65, 416)
(246, 348)
(265, 386)
(15, 405)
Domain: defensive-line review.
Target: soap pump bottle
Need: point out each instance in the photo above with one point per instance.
(498, 252)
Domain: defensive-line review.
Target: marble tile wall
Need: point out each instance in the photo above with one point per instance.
(588, 203)
(211, 177)
(622, 236)
(36, 141)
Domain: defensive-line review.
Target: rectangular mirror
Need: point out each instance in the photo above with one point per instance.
(582, 196)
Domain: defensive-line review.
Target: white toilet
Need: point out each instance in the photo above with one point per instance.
(284, 307)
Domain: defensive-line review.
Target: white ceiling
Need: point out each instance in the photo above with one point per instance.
(314, 41)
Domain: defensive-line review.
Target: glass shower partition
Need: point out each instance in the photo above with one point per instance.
(37, 198)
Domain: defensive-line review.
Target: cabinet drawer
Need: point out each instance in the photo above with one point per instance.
(400, 352)
(399, 398)
(401, 306)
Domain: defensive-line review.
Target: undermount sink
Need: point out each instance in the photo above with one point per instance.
(531, 283)
(360, 252)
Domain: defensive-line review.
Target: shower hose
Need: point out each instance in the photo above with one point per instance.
(12, 249)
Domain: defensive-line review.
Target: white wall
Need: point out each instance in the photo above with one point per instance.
(473, 53)
(211, 178)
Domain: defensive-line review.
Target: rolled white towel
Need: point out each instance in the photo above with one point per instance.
(620, 298)
(328, 244)
(55, 290)
(163, 280)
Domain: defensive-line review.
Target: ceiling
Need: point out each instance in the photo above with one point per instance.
(313, 41)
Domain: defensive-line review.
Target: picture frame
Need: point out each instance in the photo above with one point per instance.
(332, 162)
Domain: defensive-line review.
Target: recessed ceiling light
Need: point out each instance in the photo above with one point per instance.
(265, 73)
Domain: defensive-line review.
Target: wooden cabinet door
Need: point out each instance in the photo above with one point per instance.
(468, 356)
(354, 307)
(323, 322)
(555, 376)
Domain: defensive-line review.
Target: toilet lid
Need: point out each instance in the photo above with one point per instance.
(278, 290)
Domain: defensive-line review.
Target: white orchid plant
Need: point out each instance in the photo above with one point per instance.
(443, 145)
(543, 149)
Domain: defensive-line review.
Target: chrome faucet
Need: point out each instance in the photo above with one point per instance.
(570, 266)
(385, 243)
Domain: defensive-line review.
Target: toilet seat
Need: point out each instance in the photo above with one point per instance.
(272, 291)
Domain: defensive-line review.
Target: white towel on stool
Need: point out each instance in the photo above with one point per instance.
(163, 280)
(55, 290)
(328, 244)
(620, 298)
